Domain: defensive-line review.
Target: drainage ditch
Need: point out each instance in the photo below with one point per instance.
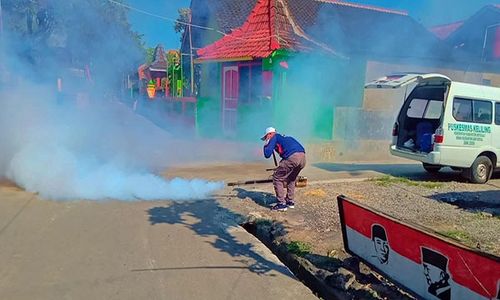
(340, 279)
(295, 264)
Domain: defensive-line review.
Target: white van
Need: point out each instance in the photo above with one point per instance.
(447, 123)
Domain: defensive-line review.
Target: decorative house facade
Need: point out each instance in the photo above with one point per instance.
(247, 58)
(161, 82)
(154, 72)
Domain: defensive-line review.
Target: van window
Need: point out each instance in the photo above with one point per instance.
(497, 113)
(416, 108)
(462, 110)
(434, 109)
(477, 111)
(424, 109)
(482, 112)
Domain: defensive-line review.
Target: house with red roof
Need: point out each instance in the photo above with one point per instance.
(298, 64)
(444, 31)
(478, 36)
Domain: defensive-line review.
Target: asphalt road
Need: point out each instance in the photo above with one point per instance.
(154, 250)
(133, 250)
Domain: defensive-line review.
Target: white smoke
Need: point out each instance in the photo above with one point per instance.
(56, 173)
(93, 151)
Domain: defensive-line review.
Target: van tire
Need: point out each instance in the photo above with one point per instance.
(431, 168)
(481, 170)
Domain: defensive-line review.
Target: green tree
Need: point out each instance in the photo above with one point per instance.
(91, 32)
(19, 15)
(183, 19)
(150, 55)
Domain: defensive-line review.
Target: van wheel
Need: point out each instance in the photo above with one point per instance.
(481, 170)
(431, 168)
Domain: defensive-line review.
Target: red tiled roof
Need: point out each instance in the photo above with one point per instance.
(299, 25)
(269, 27)
(444, 31)
(368, 7)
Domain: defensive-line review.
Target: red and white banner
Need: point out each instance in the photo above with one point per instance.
(427, 265)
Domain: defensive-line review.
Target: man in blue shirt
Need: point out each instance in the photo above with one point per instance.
(293, 161)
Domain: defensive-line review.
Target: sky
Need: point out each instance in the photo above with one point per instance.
(427, 12)
(157, 30)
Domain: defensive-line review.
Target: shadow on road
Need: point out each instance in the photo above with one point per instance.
(411, 171)
(216, 221)
(263, 199)
(487, 201)
(400, 170)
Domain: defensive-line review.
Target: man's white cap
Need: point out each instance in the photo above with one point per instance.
(268, 130)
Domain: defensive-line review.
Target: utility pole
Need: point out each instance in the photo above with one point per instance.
(2, 44)
(191, 52)
(1, 20)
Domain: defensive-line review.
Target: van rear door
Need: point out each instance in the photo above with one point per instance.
(403, 79)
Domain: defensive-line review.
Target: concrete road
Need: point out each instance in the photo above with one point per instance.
(135, 250)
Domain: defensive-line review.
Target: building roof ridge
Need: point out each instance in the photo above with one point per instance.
(364, 6)
(269, 22)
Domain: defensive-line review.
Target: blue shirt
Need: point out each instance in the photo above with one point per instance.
(284, 145)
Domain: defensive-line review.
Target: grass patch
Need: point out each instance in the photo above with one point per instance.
(299, 248)
(431, 185)
(389, 180)
(482, 215)
(459, 235)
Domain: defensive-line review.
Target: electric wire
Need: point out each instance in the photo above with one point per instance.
(193, 25)
(163, 17)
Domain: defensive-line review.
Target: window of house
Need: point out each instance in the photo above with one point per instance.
(250, 83)
(497, 113)
(477, 111)
(245, 84)
(256, 79)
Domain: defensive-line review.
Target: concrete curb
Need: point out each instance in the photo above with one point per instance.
(300, 267)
